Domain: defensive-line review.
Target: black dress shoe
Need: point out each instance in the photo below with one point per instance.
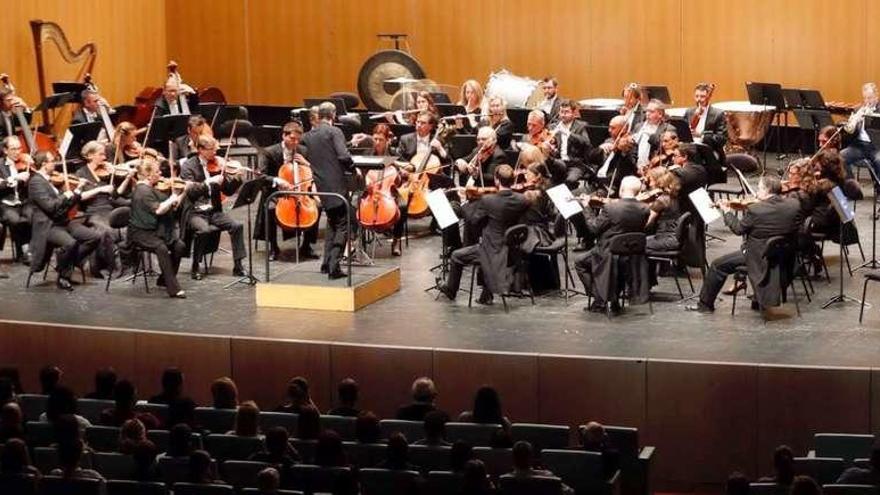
(596, 307)
(699, 308)
(324, 269)
(64, 284)
(273, 256)
(307, 254)
(238, 271)
(485, 298)
(196, 275)
(446, 291)
(337, 274)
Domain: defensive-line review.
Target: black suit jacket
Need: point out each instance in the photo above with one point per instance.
(330, 159)
(579, 145)
(655, 138)
(623, 163)
(493, 214)
(617, 217)
(79, 117)
(407, 146)
(50, 209)
(715, 132)
(504, 133)
(498, 157)
(162, 107)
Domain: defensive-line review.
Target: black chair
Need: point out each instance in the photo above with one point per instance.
(622, 248)
(536, 485)
(118, 220)
(835, 489)
(673, 257)
(443, 482)
(518, 260)
(344, 425)
(498, 461)
(388, 482)
(233, 447)
(780, 255)
(216, 420)
(476, 434)
(55, 485)
(825, 470)
(201, 489)
(365, 455)
(127, 487)
(873, 276)
(430, 458)
(23, 484)
(316, 479)
(635, 460)
(50, 249)
(256, 491)
(160, 439)
(581, 470)
(741, 161)
(113, 466)
(270, 420)
(412, 430)
(242, 474)
(91, 409)
(176, 469)
(847, 446)
(103, 438)
(306, 448)
(39, 434)
(160, 411)
(32, 406)
(46, 458)
(541, 436)
(767, 489)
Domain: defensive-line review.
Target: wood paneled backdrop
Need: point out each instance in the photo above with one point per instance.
(278, 51)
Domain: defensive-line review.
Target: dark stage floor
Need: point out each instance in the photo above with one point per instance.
(413, 318)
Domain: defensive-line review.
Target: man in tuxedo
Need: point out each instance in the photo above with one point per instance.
(551, 103)
(330, 162)
(711, 126)
(185, 146)
(493, 214)
(490, 156)
(860, 146)
(616, 157)
(15, 211)
(421, 141)
(774, 215)
(203, 207)
(8, 122)
(624, 215)
(89, 110)
(572, 144)
(633, 109)
(172, 101)
(289, 150)
(648, 134)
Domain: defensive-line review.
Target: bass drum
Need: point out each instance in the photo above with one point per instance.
(379, 68)
(517, 91)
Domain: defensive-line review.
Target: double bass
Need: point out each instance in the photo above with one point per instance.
(378, 208)
(31, 139)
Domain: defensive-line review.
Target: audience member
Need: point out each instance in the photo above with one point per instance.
(131, 435)
(124, 399)
(50, 377)
(247, 423)
(69, 456)
(144, 456)
(804, 485)
(594, 439)
(61, 402)
(201, 470)
(11, 422)
(435, 430)
(476, 480)
(366, 428)
(277, 449)
(172, 387)
(225, 393)
(67, 429)
(347, 390)
(308, 424)
(737, 484)
(863, 476)
(783, 467)
(459, 455)
(297, 396)
(105, 381)
(487, 409)
(397, 454)
(179, 442)
(7, 391)
(501, 439)
(329, 451)
(423, 393)
(12, 374)
(15, 460)
(181, 411)
(523, 464)
(268, 481)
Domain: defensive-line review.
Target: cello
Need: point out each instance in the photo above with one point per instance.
(296, 212)
(426, 163)
(378, 208)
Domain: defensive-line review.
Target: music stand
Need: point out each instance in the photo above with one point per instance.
(445, 217)
(449, 109)
(80, 134)
(247, 194)
(658, 93)
(813, 121)
(167, 128)
(872, 263)
(793, 98)
(683, 129)
(70, 87)
(769, 94)
(813, 99)
(845, 214)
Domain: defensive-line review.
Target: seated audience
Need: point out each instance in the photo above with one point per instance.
(183, 411)
(131, 435)
(863, 476)
(737, 484)
(277, 449)
(62, 402)
(7, 391)
(297, 396)
(172, 387)
(366, 428)
(423, 393)
(179, 442)
(247, 420)
(308, 424)
(105, 380)
(268, 481)
(225, 393)
(487, 409)
(15, 460)
(50, 377)
(69, 457)
(435, 430)
(348, 396)
(145, 468)
(11, 422)
(329, 451)
(783, 467)
(201, 470)
(594, 439)
(476, 479)
(125, 398)
(397, 454)
(523, 464)
(11, 373)
(804, 485)
(459, 455)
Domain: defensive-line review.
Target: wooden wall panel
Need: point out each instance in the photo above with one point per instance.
(796, 402)
(262, 368)
(385, 374)
(130, 38)
(79, 362)
(575, 390)
(202, 360)
(875, 401)
(459, 374)
(23, 346)
(702, 417)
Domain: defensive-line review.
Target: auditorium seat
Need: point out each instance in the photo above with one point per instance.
(387, 482)
(430, 458)
(23, 484)
(242, 474)
(541, 436)
(473, 433)
(767, 489)
(635, 460)
(160, 411)
(91, 408)
(126, 487)
(254, 491)
(306, 448)
(412, 430)
(39, 434)
(160, 440)
(825, 470)
(442, 483)
(201, 489)
(581, 470)
(55, 485)
(223, 447)
(343, 425)
(215, 420)
(285, 420)
(45, 458)
(497, 461)
(113, 465)
(537, 485)
(32, 406)
(176, 469)
(103, 438)
(316, 479)
(843, 445)
(364, 455)
(835, 489)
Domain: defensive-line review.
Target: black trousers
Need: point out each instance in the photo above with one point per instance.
(336, 236)
(717, 273)
(103, 257)
(201, 223)
(309, 235)
(583, 266)
(18, 219)
(469, 255)
(75, 242)
(168, 252)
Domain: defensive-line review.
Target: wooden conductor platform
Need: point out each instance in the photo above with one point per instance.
(303, 286)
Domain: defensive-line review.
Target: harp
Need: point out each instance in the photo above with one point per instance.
(43, 32)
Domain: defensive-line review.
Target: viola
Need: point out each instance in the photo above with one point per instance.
(296, 212)
(166, 184)
(378, 209)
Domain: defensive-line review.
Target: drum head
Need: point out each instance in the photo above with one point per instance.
(381, 66)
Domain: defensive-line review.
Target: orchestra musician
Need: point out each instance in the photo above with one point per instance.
(665, 153)
(382, 137)
(773, 215)
(550, 104)
(9, 125)
(102, 198)
(861, 146)
(185, 146)
(497, 119)
(203, 206)
(52, 226)
(15, 211)
(125, 137)
(538, 135)
(479, 166)
(616, 157)
(421, 140)
(624, 215)
(90, 108)
(632, 108)
(471, 98)
(572, 144)
(711, 126)
(492, 214)
(424, 103)
(665, 211)
(540, 214)
(648, 134)
(171, 102)
(826, 134)
(289, 150)
(330, 160)
(150, 225)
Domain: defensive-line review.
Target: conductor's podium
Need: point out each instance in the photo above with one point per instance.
(303, 286)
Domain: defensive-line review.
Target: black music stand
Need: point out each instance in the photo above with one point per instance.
(769, 94)
(658, 93)
(813, 99)
(846, 214)
(793, 98)
(872, 263)
(167, 128)
(683, 129)
(518, 117)
(80, 135)
(53, 101)
(813, 121)
(247, 194)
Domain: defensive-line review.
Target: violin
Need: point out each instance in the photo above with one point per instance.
(166, 184)
(739, 204)
(60, 179)
(474, 192)
(24, 163)
(649, 195)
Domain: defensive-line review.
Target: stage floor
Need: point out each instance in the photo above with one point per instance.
(412, 317)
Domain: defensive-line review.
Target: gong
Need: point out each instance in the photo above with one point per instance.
(373, 88)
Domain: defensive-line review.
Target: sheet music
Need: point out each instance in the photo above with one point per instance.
(65, 142)
(703, 203)
(564, 201)
(441, 209)
(603, 172)
(842, 205)
(745, 183)
(108, 125)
